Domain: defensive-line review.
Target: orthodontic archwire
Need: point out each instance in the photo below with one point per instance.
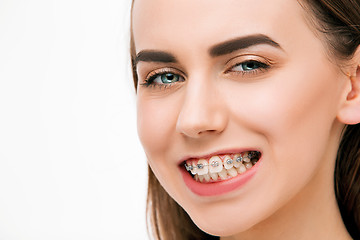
(213, 164)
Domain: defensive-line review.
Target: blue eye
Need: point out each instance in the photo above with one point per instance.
(166, 78)
(249, 66)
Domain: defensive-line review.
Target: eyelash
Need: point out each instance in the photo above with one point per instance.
(149, 80)
(262, 67)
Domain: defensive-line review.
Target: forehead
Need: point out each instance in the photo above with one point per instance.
(198, 24)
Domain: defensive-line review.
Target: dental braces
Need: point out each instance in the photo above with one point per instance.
(217, 163)
(240, 159)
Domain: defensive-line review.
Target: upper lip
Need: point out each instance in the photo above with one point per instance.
(220, 152)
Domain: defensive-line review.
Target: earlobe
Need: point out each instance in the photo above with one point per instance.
(349, 112)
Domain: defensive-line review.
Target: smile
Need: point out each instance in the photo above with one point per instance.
(221, 167)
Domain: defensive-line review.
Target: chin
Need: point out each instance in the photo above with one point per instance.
(223, 228)
(227, 222)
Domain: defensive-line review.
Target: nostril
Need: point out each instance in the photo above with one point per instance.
(194, 133)
(211, 131)
(201, 117)
(207, 132)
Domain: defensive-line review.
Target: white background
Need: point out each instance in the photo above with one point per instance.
(71, 165)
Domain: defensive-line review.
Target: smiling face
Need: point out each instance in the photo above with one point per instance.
(227, 78)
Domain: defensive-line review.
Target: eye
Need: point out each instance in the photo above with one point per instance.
(165, 78)
(249, 66)
(162, 77)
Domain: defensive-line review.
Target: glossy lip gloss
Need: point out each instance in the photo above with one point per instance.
(220, 187)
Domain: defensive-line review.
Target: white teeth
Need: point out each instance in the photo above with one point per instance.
(210, 170)
(228, 162)
(194, 168)
(236, 162)
(202, 167)
(196, 177)
(201, 178)
(247, 160)
(241, 168)
(207, 177)
(246, 157)
(223, 174)
(214, 176)
(248, 165)
(215, 164)
(232, 172)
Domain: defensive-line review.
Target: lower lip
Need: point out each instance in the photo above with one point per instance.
(221, 187)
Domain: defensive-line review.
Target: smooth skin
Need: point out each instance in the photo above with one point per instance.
(288, 100)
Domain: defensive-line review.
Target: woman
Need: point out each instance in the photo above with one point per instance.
(246, 111)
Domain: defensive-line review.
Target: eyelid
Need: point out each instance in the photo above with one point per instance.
(235, 61)
(148, 78)
(247, 58)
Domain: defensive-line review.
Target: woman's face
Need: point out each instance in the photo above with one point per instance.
(219, 79)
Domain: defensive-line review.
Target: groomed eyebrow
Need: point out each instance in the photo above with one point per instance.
(155, 56)
(215, 51)
(241, 43)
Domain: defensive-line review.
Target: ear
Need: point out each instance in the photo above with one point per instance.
(349, 112)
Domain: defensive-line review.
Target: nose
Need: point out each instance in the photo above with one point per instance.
(203, 112)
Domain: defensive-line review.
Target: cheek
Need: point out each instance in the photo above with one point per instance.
(294, 112)
(306, 104)
(292, 103)
(156, 121)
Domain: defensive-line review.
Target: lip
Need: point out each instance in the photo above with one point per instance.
(221, 187)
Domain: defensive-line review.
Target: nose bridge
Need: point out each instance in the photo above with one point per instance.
(202, 110)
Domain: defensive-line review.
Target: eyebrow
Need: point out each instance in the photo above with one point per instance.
(215, 51)
(155, 56)
(241, 43)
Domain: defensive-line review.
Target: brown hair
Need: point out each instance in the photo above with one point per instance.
(338, 22)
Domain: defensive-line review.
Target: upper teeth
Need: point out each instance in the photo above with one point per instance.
(228, 162)
(202, 166)
(216, 165)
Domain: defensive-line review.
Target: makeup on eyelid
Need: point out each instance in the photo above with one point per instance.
(167, 72)
(248, 67)
(257, 48)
